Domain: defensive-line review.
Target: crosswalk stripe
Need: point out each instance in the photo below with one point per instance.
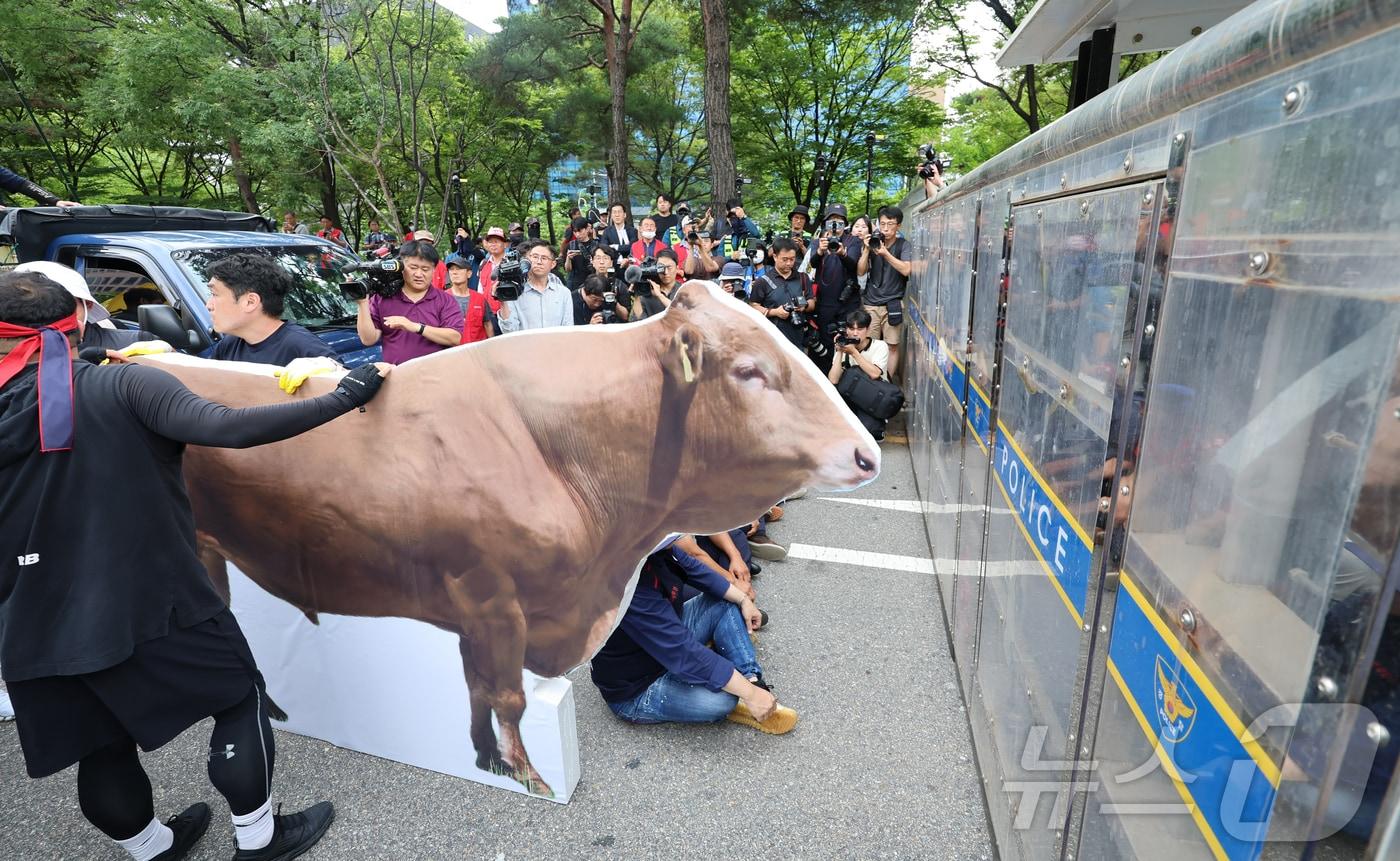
(912, 506)
(916, 564)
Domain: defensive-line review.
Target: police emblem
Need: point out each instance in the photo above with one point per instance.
(1176, 710)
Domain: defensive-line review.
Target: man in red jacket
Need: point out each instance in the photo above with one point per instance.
(478, 321)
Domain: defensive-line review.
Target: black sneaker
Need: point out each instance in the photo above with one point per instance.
(755, 569)
(188, 827)
(292, 835)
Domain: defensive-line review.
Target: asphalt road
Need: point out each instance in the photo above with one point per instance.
(879, 765)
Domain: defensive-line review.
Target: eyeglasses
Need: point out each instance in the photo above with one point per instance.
(541, 258)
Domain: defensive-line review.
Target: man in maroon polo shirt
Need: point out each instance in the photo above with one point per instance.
(417, 320)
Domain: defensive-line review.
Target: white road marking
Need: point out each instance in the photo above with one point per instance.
(916, 564)
(912, 506)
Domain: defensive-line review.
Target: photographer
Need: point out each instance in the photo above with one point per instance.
(416, 320)
(495, 244)
(652, 294)
(578, 252)
(838, 254)
(888, 267)
(591, 303)
(856, 350)
(734, 229)
(798, 220)
(246, 292)
(784, 295)
(931, 171)
(701, 262)
(545, 301)
(377, 240)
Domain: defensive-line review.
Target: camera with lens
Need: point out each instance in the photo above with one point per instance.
(641, 278)
(798, 314)
(609, 311)
(510, 277)
(844, 340)
(934, 163)
(382, 277)
(876, 240)
(816, 347)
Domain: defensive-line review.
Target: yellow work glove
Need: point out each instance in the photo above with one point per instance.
(143, 348)
(298, 371)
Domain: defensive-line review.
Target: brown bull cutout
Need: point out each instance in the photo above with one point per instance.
(583, 449)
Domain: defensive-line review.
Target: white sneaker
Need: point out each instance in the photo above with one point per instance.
(7, 710)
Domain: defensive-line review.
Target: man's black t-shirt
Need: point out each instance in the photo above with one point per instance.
(98, 550)
(111, 339)
(885, 283)
(288, 342)
(583, 262)
(665, 222)
(774, 291)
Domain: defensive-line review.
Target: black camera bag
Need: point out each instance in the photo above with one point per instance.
(879, 398)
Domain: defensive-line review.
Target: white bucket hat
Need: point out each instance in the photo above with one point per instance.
(71, 281)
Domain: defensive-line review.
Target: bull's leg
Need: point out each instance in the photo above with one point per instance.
(488, 755)
(493, 656)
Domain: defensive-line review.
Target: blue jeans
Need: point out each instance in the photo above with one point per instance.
(671, 699)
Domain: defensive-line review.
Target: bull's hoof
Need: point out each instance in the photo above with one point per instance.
(526, 777)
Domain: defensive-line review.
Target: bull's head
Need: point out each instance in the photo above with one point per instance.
(743, 401)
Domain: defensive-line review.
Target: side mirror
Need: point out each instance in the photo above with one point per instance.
(163, 321)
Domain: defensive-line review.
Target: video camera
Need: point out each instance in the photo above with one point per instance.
(641, 278)
(382, 277)
(510, 277)
(934, 162)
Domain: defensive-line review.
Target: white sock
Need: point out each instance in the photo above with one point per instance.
(153, 840)
(254, 830)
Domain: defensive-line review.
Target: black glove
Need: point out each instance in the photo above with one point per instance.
(360, 385)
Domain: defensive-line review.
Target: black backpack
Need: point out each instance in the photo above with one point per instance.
(878, 398)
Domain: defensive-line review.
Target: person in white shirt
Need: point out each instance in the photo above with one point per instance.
(544, 300)
(855, 348)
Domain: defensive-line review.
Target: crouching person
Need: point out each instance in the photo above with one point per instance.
(858, 370)
(656, 668)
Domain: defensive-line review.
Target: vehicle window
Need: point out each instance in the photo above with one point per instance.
(121, 286)
(315, 300)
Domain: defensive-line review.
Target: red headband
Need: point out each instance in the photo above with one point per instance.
(55, 376)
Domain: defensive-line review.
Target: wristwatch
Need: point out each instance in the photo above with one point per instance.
(421, 328)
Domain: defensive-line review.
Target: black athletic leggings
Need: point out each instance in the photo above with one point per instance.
(115, 793)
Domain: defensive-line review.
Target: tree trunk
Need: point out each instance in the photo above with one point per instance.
(329, 205)
(240, 175)
(615, 36)
(549, 210)
(723, 172)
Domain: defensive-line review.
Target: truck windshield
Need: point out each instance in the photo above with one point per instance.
(315, 298)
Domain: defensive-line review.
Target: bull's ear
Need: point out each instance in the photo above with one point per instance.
(684, 356)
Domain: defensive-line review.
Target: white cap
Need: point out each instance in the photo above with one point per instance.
(70, 281)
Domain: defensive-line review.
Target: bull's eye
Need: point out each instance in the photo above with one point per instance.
(749, 373)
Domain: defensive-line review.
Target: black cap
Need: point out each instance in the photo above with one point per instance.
(580, 223)
(835, 209)
(801, 210)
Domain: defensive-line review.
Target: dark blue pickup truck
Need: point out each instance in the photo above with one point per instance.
(155, 255)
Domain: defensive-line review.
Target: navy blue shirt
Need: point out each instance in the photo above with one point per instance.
(290, 341)
(652, 640)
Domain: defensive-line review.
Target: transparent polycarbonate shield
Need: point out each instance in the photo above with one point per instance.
(917, 337)
(1072, 261)
(950, 334)
(1262, 534)
(980, 356)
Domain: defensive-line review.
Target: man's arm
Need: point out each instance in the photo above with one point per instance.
(364, 323)
(900, 265)
(863, 265)
(16, 184)
(838, 368)
(738, 568)
(510, 321)
(166, 407)
(450, 322)
(652, 624)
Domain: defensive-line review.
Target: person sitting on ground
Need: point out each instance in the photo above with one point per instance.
(656, 668)
(246, 293)
(478, 321)
(856, 349)
(149, 649)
